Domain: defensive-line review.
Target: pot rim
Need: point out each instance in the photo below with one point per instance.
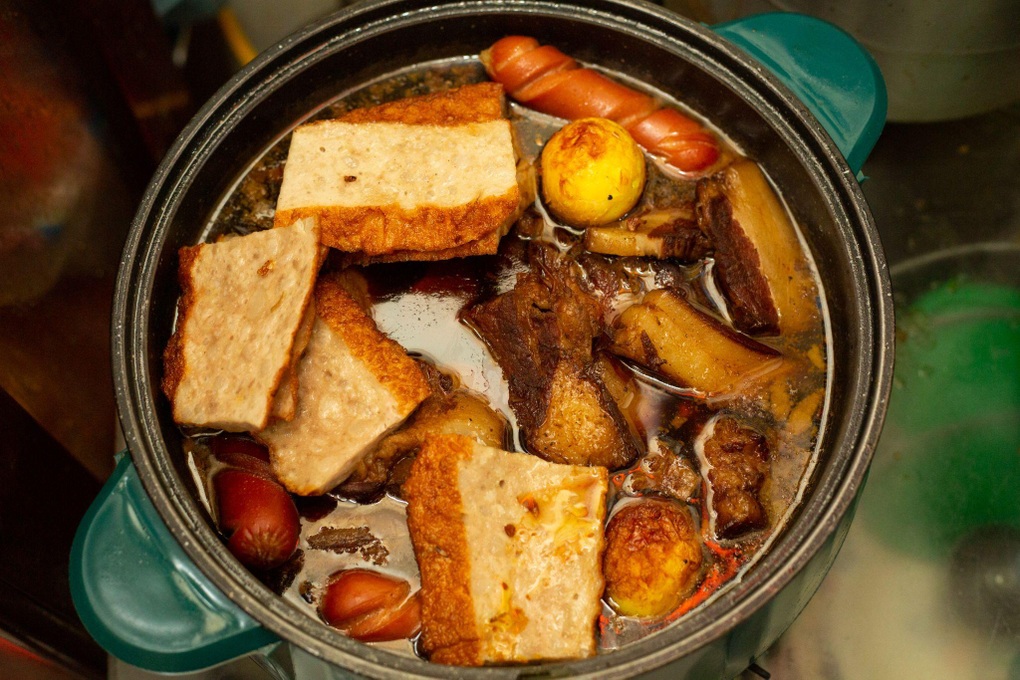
(818, 515)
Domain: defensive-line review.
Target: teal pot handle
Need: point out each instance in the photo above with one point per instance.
(141, 597)
(829, 71)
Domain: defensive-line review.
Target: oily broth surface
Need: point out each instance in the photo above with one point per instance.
(417, 305)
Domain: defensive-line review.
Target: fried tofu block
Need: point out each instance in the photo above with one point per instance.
(759, 262)
(519, 581)
(421, 175)
(668, 335)
(285, 402)
(241, 305)
(355, 384)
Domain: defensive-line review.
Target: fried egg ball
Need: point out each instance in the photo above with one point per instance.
(653, 557)
(593, 172)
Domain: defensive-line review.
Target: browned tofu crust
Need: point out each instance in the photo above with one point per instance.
(173, 355)
(434, 520)
(285, 401)
(387, 360)
(438, 232)
(486, 245)
(382, 230)
(477, 103)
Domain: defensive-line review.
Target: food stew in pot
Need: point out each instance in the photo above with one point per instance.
(500, 360)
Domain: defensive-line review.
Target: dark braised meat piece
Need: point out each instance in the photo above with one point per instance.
(665, 471)
(541, 334)
(759, 263)
(739, 459)
(610, 279)
(456, 412)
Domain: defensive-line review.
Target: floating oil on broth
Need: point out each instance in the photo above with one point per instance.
(419, 305)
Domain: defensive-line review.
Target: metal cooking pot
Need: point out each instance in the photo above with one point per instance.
(151, 578)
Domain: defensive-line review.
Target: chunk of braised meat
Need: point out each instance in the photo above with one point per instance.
(618, 282)
(610, 280)
(759, 263)
(541, 333)
(665, 471)
(667, 233)
(739, 458)
(623, 387)
(664, 191)
(456, 412)
(749, 300)
(671, 337)
(664, 227)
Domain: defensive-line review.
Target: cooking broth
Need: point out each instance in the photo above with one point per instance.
(419, 305)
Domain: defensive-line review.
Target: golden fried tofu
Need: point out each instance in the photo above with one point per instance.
(435, 175)
(509, 547)
(355, 384)
(241, 307)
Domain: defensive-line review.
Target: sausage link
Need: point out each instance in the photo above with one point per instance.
(547, 80)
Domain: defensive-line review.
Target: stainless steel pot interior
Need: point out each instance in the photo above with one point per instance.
(641, 40)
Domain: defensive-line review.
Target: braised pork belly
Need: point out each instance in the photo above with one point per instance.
(542, 334)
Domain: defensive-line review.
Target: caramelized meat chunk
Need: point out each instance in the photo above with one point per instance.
(759, 263)
(665, 471)
(457, 412)
(668, 335)
(541, 334)
(738, 456)
(653, 557)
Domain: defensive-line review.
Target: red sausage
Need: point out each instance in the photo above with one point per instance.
(677, 138)
(244, 453)
(370, 606)
(549, 81)
(259, 516)
(530, 66)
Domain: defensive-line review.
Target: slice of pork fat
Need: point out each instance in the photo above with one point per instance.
(669, 336)
(664, 233)
(759, 263)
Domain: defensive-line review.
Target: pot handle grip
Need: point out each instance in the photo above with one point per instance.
(829, 71)
(141, 597)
